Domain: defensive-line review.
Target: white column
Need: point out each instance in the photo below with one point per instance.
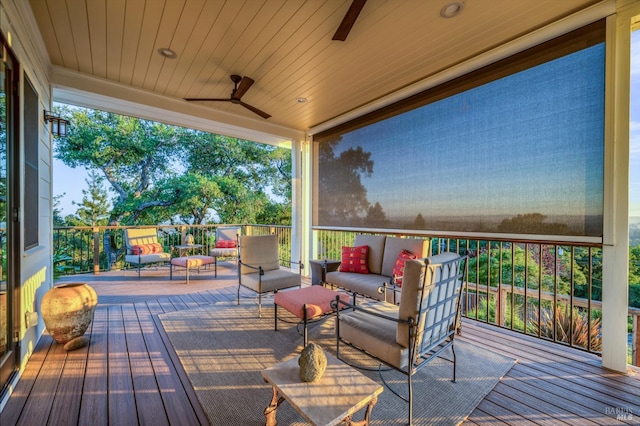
(296, 203)
(615, 274)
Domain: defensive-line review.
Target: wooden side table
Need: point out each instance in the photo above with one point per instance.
(332, 399)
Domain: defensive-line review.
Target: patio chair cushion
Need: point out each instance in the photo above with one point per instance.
(414, 271)
(354, 259)
(147, 258)
(374, 334)
(259, 251)
(194, 261)
(274, 279)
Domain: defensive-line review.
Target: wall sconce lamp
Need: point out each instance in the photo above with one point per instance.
(58, 124)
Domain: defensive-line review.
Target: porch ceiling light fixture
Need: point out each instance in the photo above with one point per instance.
(452, 9)
(165, 52)
(58, 124)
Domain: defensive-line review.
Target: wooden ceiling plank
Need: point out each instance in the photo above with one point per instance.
(200, 73)
(316, 60)
(60, 16)
(194, 10)
(167, 27)
(148, 35)
(96, 14)
(131, 38)
(115, 29)
(80, 32)
(242, 50)
(198, 54)
(48, 31)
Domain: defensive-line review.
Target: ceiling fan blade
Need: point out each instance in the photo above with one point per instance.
(349, 19)
(208, 99)
(244, 85)
(256, 110)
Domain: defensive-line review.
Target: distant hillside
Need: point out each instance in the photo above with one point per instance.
(634, 231)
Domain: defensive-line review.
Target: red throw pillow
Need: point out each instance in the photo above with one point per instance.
(354, 259)
(147, 248)
(156, 247)
(226, 244)
(398, 267)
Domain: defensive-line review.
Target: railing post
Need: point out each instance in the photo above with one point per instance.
(635, 354)
(96, 250)
(502, 305)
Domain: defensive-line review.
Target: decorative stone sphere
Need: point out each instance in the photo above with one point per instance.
(67, 310)
(312, 363)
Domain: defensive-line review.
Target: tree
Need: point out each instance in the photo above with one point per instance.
(347, 206)
(376, 217)
(162, 173)
(94, 208)
(58, 220)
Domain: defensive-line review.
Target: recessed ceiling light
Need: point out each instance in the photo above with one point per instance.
(167, 53)
(301, 100)
(452, 9)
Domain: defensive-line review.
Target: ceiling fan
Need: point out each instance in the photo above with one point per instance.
(240, 87)
(348, 20)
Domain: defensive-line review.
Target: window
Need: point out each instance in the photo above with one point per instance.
(31, 159)
(507, 149)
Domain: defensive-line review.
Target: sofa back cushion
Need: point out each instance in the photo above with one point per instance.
(394, 246)
(376, 250)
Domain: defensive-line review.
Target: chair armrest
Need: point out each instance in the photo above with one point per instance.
(329, 265)
(254, 267)
(389, 286)
(335, 303)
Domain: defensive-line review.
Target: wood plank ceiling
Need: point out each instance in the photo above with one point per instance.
(286, 46)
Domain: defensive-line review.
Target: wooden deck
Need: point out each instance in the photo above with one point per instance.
(129, 374)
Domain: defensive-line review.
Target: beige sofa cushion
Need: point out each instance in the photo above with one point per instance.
(394, 245)
(376, 250)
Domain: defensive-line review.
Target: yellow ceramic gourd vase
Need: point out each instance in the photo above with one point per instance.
(67, 310)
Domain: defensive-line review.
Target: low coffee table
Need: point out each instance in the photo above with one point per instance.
(330, 400)
(307, 303)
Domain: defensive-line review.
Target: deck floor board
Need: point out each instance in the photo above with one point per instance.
(129, 374)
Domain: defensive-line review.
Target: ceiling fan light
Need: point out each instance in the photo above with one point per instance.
(165, 52)
(452, 9)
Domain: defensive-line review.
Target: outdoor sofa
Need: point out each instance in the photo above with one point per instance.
(363, 271)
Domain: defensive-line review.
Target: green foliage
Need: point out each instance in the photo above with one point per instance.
(94, 208)
(571, 326)
(167, 174)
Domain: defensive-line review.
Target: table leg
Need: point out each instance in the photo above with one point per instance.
(270, 411)
(364, 422)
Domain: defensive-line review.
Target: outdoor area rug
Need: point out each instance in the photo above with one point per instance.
(223, 348)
